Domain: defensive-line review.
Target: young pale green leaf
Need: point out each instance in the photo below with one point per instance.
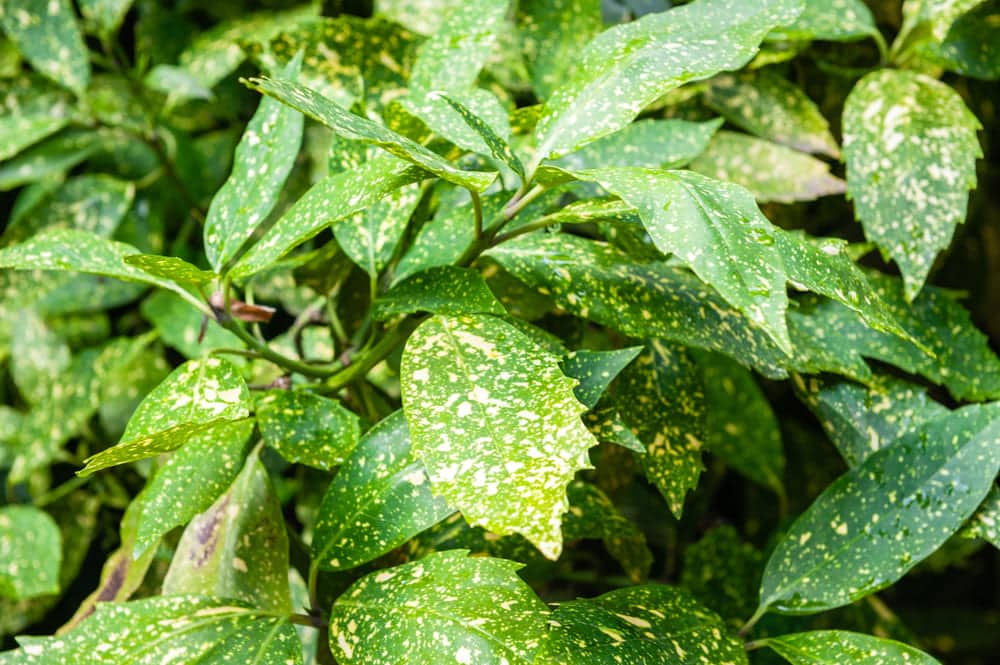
(910, 145)
(171, 268)
(773, 108)
(662, 398)
(179, 326)
(48, 36)
(263, 160)
(196, 397)
(861, 419)
(379, 499)
(496, 423)
(439, 290)
(595, 370)
(593, 515)
(647, 143)
(306, 428)
(553, 32)
(834, 647)
(629, 66)
(81, 251)
(105, 15)
(985, 523)
(644, 624)
(830, 20)
(444, 606)
(30, 552)
(189, 482)
(238, 548)
(356, 128)
(741, 429)
(331, 200)
(179, 629)
(30, 110)
(877, 521)
(370, 237)
(38, 357)
(771, 171)
(497, 145)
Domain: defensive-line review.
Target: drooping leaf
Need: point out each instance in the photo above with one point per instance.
(30, 110)
(171, 268)
(475, 610)
(356, 128)
(880, 519)
(37, 357)
(179, 326)
(771, 171)
(833, 647)
(331, 200)
(189, 482)
(264, 157)
(80, 251)
(379, 499)
(496, 423)
(861, 419)
(238, 548)
(370, 237)
(773, 108)
(30, 552)
(553, 32)
(593, 515)
(196, 397)
(644, 624)
(439, 290)
(306, 428)
(182, 629)
(629, 66)
(831, 20)
(741, 427)
(595, 370)
(48, 36)
(910, 145)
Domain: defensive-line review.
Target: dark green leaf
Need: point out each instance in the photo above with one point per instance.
(833, 647)
(593, 515)
(51, 157)
(722, 571)
(370, 237)
(30, 552)
(439, 290)
(475, 610)
(306, 428)
(985, 523)
(379, 499)
(595, 370)
(497, 145)
(38, 357)
(47, 34)
(105, 15)
(972, 45)
(553, 32)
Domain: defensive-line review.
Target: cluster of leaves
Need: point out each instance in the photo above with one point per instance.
(480, 282)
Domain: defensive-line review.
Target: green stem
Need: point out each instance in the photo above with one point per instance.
(756, 644)
(477, 206)
(541, 223)
(59, 492)
(748, 626)
(374, 355)
(316, 622)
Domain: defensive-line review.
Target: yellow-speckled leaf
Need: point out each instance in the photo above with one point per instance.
(439, 290)
(553, 32)
(496, 423)
(306, 428)
(833, 20)
(835, 647)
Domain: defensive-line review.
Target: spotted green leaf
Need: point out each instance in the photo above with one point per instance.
(30, 110)
(770, 171)
(607, 424)
(451, 59)
(662, 399)
(105, 15)
(81, 251)
(595, 370)
(171, 268)
(496, 423)
(633, 626)
(970, 45)
(356, 128)
(910, 145)
(439, 290)
(861, 419)
(196, 397)
(593, 515)
(238, 548)
(741, 427)
(370, 237)
(880, 519)
(497, 145)
(51, 157)
(331, 200)
(553, 32)
(48, 36)
(423, 16)
(306, 428)
(379, 499)
(947, 349)
(30, 552)
(182, 629)
(833, 647)
(189, 482)
(38, 357)
(629, 66)
(772, 107)
(475, 610)
(985, 523)
(830, 20)
(179, 326)
(264, 157)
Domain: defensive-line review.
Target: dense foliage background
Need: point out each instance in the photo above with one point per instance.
(475, 212)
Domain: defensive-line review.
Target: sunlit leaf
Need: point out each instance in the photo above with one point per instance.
(439, 290)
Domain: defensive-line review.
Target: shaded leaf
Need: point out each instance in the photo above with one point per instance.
(910, 146)
(971, 46)
(595, 370)
(30, 552)
(439, 290)
(496, 424)
(38, 357)
(51, 157)
(306, 428)
(48, 36)
(30, 110)
(877, 521)
(105, 15)
(832, 647)
(379, 499)
(593, 515)
(179, 326)
(985, 523)
(475, 610)
(553, 32)
(607, 424)
(722, 571)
